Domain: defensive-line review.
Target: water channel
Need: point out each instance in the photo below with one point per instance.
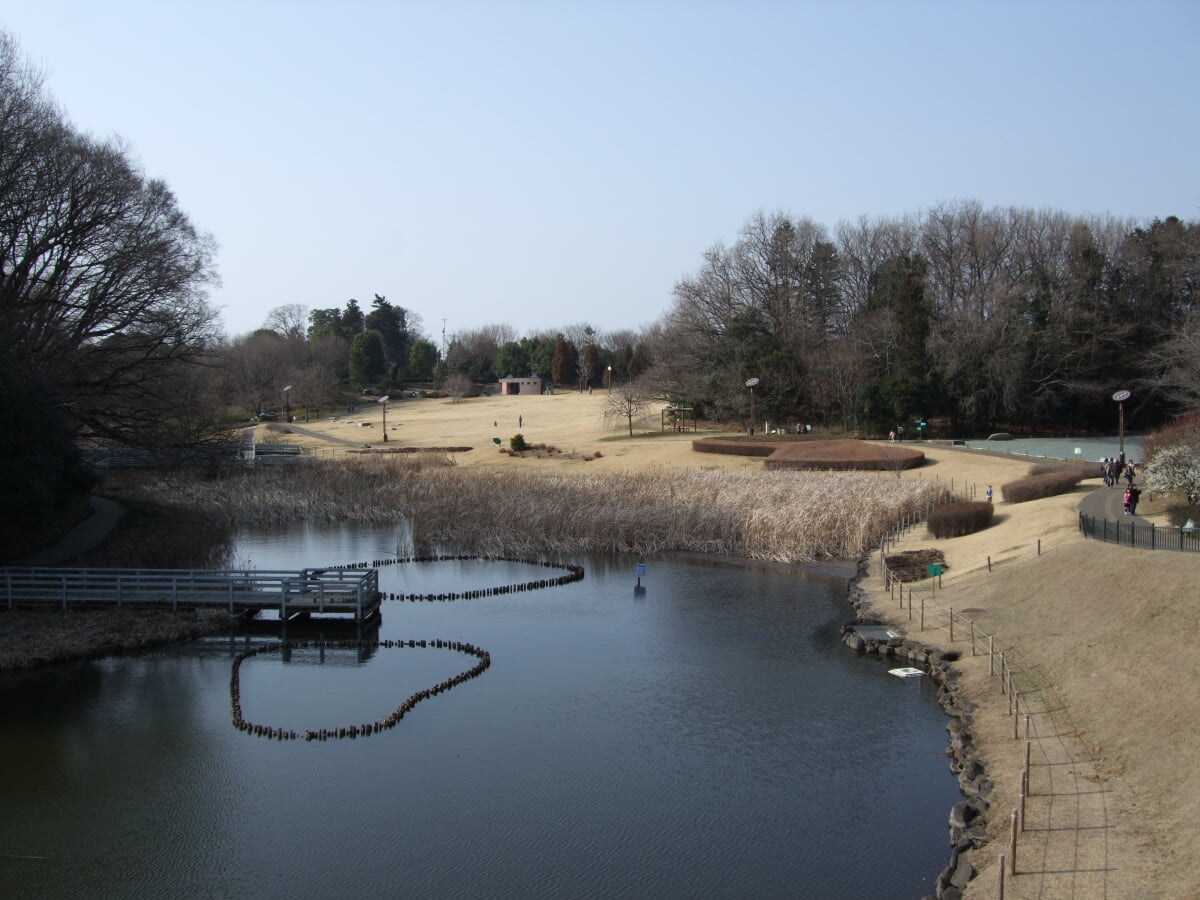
(706, 736)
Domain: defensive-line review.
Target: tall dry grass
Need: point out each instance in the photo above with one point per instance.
(782, 516)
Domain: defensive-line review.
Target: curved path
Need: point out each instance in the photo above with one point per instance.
(1108, 503)
(292, 426)
(85, 536)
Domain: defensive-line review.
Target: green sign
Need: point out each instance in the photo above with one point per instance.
(935, 569)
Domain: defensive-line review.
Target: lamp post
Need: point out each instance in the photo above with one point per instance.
(383, 400)
(1121, 397)
(287, 407)
(750, 383)
(608, 375)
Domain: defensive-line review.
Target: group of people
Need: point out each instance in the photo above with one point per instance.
(896, 434)
(1114, 470)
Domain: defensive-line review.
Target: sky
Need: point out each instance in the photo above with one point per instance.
(544, 164)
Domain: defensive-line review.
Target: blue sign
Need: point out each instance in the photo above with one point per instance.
(639, 570)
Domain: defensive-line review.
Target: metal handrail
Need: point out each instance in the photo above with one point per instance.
(333, 590)
(1144, 535)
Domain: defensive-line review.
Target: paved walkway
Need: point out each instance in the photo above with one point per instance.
(1108, 503)
(85, 536)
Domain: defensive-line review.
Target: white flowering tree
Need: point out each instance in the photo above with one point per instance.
(1175, 468)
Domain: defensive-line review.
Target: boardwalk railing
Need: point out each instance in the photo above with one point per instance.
(337, 591)
(1148, 536)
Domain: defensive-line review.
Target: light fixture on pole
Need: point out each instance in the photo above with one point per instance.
(750, 383)
(384, 400)
(608, 375)
(287, 406)
(1121, 397)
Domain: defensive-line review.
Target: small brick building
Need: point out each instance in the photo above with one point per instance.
(532, 384)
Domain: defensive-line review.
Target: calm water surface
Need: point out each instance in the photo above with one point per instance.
(1091, 449)
(707, 737)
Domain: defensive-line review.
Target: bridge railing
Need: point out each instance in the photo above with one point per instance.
(314, 590)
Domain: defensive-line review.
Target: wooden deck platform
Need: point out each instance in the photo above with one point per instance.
(339, 592)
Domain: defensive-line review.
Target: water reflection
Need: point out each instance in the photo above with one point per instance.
(709, 736)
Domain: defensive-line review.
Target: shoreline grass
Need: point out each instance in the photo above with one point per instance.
(780, 516)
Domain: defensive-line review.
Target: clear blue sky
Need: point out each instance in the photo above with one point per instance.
(549, 163)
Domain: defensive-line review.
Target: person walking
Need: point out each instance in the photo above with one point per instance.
(1127, 498)
(1134, 494)
(520, 421)
(989, 494)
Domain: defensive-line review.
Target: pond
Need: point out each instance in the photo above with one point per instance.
(1091, 449)
(707, 735)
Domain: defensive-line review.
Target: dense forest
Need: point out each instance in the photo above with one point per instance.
(983, 318)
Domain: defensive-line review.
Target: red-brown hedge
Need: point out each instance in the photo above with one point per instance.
(959, 518)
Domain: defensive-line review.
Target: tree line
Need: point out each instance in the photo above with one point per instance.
(985, 318)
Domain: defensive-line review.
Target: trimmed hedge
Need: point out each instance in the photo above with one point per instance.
(1089, 469)
(734, 447)
(1037, 487)
(959, 518)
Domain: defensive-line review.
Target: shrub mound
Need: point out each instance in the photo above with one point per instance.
(845, 454)
(734, 447)
(1059, 480)
(1088, 468)
(824, 455)
(959, 518)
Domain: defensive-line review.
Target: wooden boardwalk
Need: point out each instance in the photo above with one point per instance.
(340, 592)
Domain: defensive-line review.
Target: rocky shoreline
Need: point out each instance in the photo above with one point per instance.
(968, 818)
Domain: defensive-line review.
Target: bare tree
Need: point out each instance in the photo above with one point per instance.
(289, 320)
(628, 401)
(102, 285)
(458, 385)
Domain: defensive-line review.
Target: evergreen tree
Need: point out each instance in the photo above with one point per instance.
(367, 362)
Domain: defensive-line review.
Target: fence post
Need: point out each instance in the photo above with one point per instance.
(1012, 846)
(1028, 745)
(1000, 878)
(922, 612)
(991, 655)
(972, 621)
(1003, 675)
(952, 624)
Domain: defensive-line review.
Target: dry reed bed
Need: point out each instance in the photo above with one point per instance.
(775, 516)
